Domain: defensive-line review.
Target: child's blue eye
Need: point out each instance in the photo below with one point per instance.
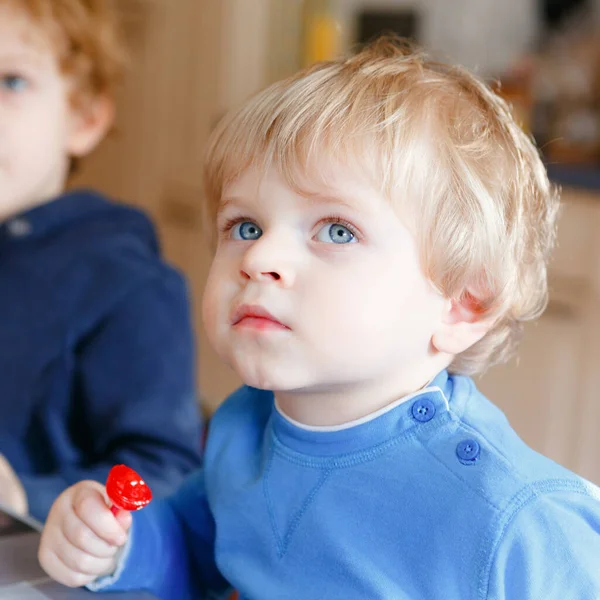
(14, 83)
(247, 230)
(335, 233)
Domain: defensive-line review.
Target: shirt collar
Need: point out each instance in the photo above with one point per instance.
(52, 215)
(423, 409)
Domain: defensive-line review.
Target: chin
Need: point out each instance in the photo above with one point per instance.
(269, 379)
(260, 381)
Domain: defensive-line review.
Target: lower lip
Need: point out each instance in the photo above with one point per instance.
(260, 324)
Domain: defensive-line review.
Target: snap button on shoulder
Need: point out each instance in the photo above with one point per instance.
(423, 410)
(468, 452)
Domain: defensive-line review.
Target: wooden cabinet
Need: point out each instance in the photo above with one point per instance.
(185, 73)
(551, 390)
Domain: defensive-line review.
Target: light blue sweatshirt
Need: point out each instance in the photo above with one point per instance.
(433, 498)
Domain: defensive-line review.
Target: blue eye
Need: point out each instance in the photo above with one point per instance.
(14, 83)
(336, 233)
(246, 231)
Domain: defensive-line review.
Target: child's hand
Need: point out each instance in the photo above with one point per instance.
(81, 536)
(12, 493)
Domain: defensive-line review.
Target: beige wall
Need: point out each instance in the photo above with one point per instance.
(180, 83)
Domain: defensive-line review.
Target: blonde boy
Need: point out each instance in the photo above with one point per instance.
(383, 228)
(96, 346)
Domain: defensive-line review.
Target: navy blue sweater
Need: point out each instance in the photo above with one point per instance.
(97, 356)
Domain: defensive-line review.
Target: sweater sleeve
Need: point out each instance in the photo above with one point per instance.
(171, 549)
(550, 550)
(136, 401)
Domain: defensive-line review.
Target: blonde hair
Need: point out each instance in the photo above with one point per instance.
(442, 146)
(88, 38)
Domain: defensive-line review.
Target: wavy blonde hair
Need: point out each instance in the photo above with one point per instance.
(442, 146)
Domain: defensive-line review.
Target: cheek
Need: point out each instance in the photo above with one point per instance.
(370, 303)
(208, 311)
(211, 300)
(43, 137)
(219, 291)
(349, 301)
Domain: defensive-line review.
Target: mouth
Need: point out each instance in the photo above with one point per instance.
(257, 318)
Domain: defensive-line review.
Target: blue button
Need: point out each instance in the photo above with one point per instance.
(423, 410)
(19, 228)
(468, 451)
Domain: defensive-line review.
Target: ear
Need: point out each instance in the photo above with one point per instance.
(89, 123)
(464, 324)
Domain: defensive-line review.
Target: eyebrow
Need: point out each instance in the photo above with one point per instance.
(30, 58)
(225, 202)
(326, 199)
(311, 199)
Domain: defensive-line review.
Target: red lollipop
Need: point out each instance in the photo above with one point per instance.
(126, 489)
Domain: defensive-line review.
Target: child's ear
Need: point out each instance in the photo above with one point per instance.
(89, 123)
(464, 323)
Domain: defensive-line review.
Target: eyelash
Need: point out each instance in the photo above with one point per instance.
(231, 223)
(331, 219)
(337, 219)
(4, 75)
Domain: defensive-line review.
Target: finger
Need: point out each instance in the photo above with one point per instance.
(59, 571)
(81, 562)
(5, 468)
(82, 537)
(90, 506)
(124, 518)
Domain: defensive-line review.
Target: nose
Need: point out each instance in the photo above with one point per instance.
(268, 260)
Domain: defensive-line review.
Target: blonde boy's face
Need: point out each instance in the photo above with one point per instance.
(337, 277)
(35, 115)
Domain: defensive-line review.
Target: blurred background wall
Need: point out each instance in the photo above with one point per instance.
(195, 59)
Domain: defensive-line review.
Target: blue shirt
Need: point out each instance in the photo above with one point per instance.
(434, 498)
(97, 361)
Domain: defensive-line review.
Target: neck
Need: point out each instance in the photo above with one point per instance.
(22, 208)
(342, 403)
(49, 190)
